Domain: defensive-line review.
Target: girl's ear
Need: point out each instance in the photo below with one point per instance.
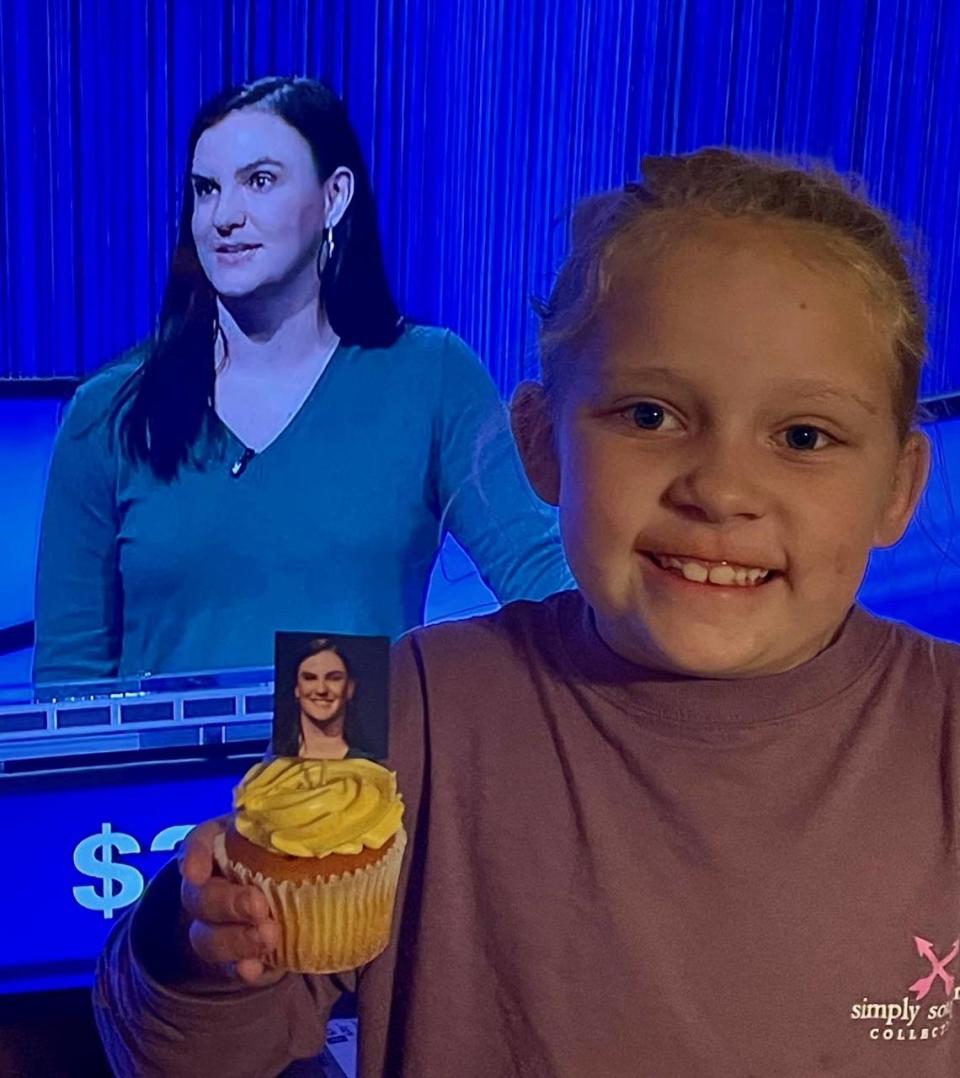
(913, 467)
(533, 431)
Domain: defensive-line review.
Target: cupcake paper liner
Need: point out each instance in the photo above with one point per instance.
(327, 926)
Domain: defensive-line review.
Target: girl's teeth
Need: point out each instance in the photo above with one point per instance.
(724, 575)
(697, 573)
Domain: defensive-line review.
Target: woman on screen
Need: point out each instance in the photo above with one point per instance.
(286, 447)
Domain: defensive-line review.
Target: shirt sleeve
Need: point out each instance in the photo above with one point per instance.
(152, 1027)
(78, 593)
(485, 499)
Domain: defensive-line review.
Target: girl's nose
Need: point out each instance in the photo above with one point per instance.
(717, 485)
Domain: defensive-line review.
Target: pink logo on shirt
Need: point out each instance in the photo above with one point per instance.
(938, 968)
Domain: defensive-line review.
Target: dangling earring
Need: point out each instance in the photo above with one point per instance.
(325, 252)
(219, 337)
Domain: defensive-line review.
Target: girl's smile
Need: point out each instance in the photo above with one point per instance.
(713, 574)
(724, 452)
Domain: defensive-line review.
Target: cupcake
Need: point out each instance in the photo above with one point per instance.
(323, 840)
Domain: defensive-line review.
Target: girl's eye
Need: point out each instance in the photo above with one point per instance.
(806, 438)
(261, 180)
(648, 415)
(202, 188)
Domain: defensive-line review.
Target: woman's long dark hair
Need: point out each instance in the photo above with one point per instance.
(170, 397)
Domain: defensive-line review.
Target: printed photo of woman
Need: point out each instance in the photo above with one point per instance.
(319, 713)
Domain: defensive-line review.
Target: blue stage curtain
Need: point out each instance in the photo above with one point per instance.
(482, 123)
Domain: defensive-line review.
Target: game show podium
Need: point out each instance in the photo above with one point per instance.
(98, 784)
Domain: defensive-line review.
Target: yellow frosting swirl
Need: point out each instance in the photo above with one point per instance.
(311, 808)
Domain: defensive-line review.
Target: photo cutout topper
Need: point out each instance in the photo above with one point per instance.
(331, 696)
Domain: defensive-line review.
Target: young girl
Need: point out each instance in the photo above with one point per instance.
(697, 818)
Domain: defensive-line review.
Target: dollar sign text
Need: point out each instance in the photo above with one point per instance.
(122, 884)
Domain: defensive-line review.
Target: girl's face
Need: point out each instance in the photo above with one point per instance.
(737, 408)
(259, 209)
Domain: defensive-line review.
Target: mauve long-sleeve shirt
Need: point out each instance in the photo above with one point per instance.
(614, 872)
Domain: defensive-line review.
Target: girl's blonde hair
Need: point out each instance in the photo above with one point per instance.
(677, 191)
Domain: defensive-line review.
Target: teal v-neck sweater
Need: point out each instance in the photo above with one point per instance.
(334, 526)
